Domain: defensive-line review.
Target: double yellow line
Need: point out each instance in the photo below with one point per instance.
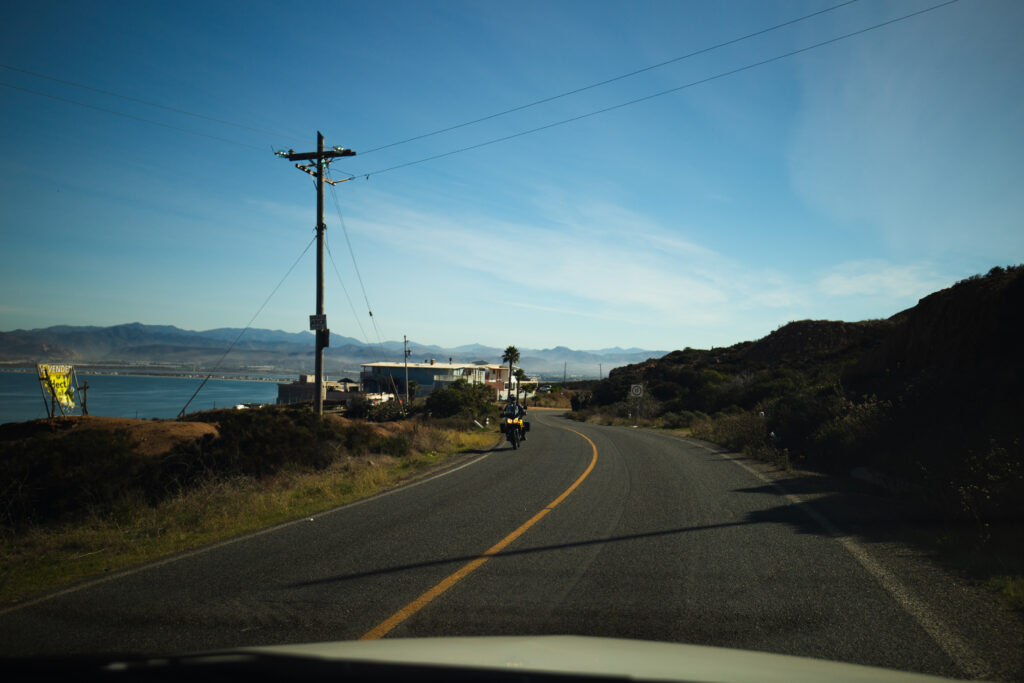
(386, 626)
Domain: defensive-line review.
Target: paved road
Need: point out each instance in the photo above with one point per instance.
(660, 539)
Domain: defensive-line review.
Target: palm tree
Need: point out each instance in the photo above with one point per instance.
(512, 356)
(520, 376)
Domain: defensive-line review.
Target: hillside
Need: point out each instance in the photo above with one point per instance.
(930, 397)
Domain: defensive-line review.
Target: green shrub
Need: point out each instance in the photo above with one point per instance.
(358, 408)
(358, 438)
(679, 420)
(398, 445)
(740, 431)
(388, 411)
(50, 479)
(854, 433)
(987, 483)
(462, 399)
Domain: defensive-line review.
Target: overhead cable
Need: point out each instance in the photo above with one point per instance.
(613, 79)
(145, 102)
(352, 253)
(645, 98)
(245, 329)
(345, 290)
(131, 116)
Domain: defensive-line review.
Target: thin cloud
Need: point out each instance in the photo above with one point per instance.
(617, 273)
(915, 136)
(565, 311)
(879, 279)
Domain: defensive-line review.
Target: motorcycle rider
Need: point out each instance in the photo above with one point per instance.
(515, 411)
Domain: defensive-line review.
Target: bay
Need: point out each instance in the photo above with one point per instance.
(132, 395)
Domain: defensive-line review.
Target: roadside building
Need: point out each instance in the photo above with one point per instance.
(431, 375)
(304, 389)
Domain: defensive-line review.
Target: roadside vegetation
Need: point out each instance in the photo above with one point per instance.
(557, 396)
(78, 502)
(926, 406)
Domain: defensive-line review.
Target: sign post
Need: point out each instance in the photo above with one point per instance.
(57, 382)
(637, 392)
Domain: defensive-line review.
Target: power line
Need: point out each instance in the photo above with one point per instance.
(352, 253)
(246, 328)
(345, 290)
(145, 102)
(645, 98)
(613, 79)
(130, 116)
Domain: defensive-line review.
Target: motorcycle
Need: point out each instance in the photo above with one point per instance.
(513, 426)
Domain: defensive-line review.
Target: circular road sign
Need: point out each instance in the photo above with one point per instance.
(637, 390)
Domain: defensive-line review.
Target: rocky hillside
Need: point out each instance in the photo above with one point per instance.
(933, 394)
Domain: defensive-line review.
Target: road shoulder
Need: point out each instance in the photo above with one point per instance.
(984, 634)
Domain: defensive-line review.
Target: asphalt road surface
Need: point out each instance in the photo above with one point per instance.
(590, 531)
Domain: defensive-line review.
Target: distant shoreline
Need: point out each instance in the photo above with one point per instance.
(143, 373)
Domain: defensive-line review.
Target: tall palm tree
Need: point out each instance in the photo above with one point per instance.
(520, 376)
(512, 356)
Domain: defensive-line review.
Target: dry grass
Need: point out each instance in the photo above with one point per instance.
(44, 559)
(1011, 587)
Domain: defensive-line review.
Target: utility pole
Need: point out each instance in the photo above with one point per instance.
(320, 160)
(405, 348)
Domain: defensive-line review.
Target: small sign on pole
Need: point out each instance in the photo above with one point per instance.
(59, 382)
(317, 322)
(637, 392)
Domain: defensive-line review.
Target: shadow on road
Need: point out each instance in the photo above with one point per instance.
(785, 513)
(460, 559)
(974, 551)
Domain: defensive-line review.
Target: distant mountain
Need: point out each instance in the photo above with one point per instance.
(254, 335)
(273, 351)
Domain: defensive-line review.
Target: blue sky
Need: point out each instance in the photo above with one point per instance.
(844, 182)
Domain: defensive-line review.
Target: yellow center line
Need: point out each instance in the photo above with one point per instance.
(386, 626)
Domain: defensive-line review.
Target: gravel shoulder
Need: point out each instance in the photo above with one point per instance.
(884, 526)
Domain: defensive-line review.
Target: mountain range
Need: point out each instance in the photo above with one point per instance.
(257, 351)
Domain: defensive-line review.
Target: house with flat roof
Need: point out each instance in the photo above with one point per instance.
(388, 376)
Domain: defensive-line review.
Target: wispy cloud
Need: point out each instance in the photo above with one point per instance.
(608, 261)
(880, 279)
(914, 135)
(564, 311)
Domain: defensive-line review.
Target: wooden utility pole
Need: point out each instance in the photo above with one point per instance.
(318, 322)
(405, 349)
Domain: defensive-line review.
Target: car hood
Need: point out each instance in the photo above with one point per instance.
(589, 656)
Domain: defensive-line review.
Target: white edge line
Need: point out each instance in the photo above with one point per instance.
(951, 644)
(123, 573)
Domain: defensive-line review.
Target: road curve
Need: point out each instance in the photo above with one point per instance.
(660, 539)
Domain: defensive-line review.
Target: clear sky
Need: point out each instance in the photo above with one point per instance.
(844, 182)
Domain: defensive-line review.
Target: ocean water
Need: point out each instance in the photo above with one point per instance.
(131, 396)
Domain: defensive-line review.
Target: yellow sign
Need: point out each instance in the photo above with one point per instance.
(56, 380)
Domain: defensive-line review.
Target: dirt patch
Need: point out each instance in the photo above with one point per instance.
(562, 399)
(154, 437)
